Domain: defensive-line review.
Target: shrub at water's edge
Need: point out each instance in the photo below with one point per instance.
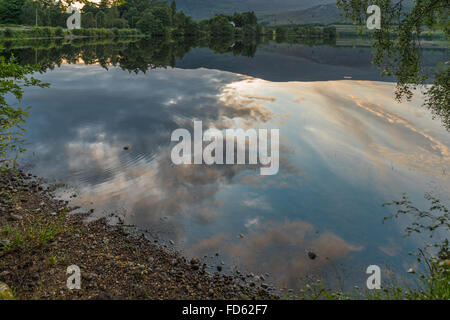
(13, 78)
(432, 277)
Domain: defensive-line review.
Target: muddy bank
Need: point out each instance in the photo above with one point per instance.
(40, 238)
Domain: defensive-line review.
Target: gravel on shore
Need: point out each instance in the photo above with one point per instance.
(40, 238)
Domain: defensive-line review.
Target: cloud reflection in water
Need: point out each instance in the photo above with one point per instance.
(346, 147)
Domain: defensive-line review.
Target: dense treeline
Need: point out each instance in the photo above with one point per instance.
(30, 12)
(151, 17)
(157, 18)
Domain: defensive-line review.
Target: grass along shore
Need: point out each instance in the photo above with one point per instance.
(12, 33)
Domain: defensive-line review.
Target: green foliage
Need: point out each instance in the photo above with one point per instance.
(36, 235)
(397, 47)
(59, 32)
(155, 18)
(244, 19)
(101, 19)
(432, 284)
(435, 255)
(163, 14)
(88, 20)
(9, 33)
(43, 13)
(173, 8)
(120, 23)
(437, 217)
(438, 95)
(13, 78)
(49, 32)
(10, 11)
(111, 14)
(330, 32)
(147, 23)
(281, 33)
(220, 26)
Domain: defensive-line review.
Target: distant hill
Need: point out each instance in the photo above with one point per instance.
(325, 13)
(200, 9)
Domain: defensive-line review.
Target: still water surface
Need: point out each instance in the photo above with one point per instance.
(346, 147)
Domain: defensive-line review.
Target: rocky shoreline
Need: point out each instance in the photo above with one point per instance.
(40, 237)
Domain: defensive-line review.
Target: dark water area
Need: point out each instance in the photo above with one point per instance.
(346, 147)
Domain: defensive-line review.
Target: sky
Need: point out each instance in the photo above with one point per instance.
(80, 5)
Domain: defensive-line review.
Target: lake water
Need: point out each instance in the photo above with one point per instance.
(346, 147)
